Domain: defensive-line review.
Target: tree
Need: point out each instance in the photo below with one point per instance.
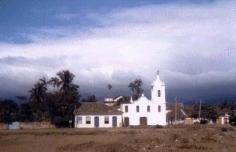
(136, 88)
(233, 118)
(208, 111)
(225, 108)
(38, 92)
(63, 107)
(109, 86)
(89, 98)
(8, 111)
(67, 89)
(37, 103)
(195, 110)
(25, 112)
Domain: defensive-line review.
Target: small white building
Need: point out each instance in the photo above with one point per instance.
(144, 111)
(223, 120)
(112, 101)
(97, 115)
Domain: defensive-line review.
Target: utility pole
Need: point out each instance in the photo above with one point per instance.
(200, 110)
(175, 110)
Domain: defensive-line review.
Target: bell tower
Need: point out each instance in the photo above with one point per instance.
(158, 90)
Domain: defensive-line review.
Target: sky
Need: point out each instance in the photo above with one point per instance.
(192, 43)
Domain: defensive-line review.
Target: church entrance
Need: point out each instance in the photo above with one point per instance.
(143, 121)
(126, 122)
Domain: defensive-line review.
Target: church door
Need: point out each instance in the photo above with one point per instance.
(126, 121)
(143, 121)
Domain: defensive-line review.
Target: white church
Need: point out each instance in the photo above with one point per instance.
(141, 112)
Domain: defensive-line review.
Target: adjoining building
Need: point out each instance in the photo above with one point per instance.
(97, 115)
(140, 112)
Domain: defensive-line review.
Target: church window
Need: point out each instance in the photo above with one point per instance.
(126, 109)
(106, 120)
(159, 108)
(148, 108)
(159, 93)
(137, 108)
(88, 120)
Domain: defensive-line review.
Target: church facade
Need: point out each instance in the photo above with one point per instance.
(144, 111)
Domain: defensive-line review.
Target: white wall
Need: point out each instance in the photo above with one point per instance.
(153, 117)
(101, 121)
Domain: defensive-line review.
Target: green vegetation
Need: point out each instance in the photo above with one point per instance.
(56, 106)
(136, 88)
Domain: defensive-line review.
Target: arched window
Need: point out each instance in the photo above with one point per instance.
(159, 108)
(148, 108)
(126, 109)
(137, 108)
(159, 93)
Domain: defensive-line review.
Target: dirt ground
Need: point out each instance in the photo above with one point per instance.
(168, 139)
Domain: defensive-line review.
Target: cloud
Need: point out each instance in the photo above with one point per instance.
(192, 45)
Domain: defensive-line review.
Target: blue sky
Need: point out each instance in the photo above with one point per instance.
(115, 41)
(22, 17)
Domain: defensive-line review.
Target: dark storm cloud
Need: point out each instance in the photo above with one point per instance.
(192, 45)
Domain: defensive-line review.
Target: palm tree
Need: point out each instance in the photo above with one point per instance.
(38, 92)
(109, 86)
(136, 88)
(64, 81)
(68, 97)
(37, 102)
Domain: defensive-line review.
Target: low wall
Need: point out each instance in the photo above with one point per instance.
(29, 125)
(36, 125)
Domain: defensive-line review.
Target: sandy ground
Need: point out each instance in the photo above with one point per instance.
(169, 139)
